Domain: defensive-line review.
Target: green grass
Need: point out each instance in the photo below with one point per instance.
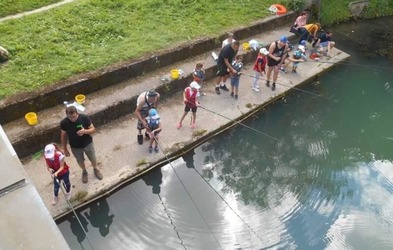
(89, 34)
(336, 11)
(11, 7)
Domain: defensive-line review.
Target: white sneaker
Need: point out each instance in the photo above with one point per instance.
(55, 200)
(68, 195)
(255, 89)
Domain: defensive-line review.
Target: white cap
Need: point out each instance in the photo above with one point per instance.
(49, 151)
(302, 48)
(195, 85)
(263, 51)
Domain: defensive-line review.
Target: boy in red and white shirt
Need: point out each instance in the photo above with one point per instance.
(190, 95)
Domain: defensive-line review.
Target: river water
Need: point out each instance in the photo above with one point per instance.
(323, 181)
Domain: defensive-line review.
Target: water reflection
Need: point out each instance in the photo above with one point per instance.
(99, 216)
(76, 226)
(154, 179)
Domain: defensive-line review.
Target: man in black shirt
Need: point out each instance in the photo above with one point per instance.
(77, 129)
(224, 65)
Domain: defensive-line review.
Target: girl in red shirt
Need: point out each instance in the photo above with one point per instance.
(56, 166)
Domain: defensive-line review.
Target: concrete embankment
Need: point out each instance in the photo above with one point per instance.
(121, 158)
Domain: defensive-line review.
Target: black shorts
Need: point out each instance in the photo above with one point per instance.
(271, 62)
(222, 70)
(187, 109)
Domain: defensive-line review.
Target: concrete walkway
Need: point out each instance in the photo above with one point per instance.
(117, 150)
(42, 9)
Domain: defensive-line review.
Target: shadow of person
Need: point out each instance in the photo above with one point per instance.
(189, 159)
(154, 179)
(76, 226)
(99, 216)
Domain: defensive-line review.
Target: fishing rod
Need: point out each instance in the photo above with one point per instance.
(188, 193)
(376, 68)
(291, 87)
(72, 208)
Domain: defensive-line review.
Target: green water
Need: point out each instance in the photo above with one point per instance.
(325, 180)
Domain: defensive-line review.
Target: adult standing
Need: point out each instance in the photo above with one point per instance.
(146, 101)
(276, 56)
(228, 40)
(224, 65)
(77, 130)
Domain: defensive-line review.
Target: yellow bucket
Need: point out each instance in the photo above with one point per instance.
(80, 99)
(246, 46)
(31, 118)
(175, 74)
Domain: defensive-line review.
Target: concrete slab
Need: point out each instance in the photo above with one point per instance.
(118, 153)
(25, 221)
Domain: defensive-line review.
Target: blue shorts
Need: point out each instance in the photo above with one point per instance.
(324, 44)
(235, 81)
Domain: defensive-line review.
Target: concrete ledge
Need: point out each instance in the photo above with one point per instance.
(15, 107)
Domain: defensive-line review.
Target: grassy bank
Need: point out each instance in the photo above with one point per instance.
(336, 11)
(90, 34)
(11, 7)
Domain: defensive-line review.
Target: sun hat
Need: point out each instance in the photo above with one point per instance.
(302, 48)
(284, 39)
(152, 93)
(263, 51)
(194, 85)
(153, 114)
(49, 151)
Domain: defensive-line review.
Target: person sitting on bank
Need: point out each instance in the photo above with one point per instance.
(4, 55)
(58, 169)
(154, 126)
(146, 101)
(228, 40)
(324, 41)
(190, 96)
(301, 21)
(309, 31)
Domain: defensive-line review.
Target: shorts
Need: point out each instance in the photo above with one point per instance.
(235, 81)
(295, 64)
(222, 70)
(271, 62)
(324, 44)
(88, 150)
(156, 134)
(188, 108)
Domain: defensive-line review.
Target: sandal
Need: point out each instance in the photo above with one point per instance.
(178, 125)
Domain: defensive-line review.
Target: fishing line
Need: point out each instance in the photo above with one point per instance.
(170, 218)
(185, 188)
(222, 198)
(291, 87)
(73, 210)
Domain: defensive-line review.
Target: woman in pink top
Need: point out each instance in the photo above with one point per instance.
(301, 21)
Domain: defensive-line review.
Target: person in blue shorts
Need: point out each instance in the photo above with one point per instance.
(235, 78)
(324, 41)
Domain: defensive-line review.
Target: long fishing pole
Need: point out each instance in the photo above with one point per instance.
(290, 87)
(188, 193)
(376, 68)
(73, 210)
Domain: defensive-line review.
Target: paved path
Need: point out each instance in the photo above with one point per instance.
(117, 150)
(26, 13)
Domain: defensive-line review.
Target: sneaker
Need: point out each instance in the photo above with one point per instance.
(267, 84)
(178, 126)
(156, 149)
(273, 86)
(98, 174)
(224, 87)
(150, 150)
(231, 94)
(236, 96)
(193, 125)
(84, 177)
(140, 139)
(55, 200)
(283, 70)
(255, 89)
(218, 90)
(68, 195)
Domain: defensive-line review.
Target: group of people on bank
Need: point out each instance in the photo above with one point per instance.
(76, 129)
